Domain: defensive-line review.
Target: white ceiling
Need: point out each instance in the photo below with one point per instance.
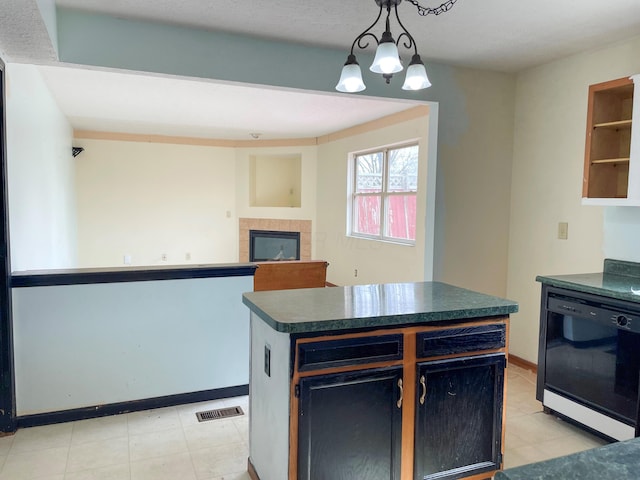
(122, 102)
(501, 35)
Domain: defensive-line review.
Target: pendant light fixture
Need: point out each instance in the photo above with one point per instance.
(387, 60)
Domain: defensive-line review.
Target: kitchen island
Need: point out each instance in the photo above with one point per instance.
(394, 381)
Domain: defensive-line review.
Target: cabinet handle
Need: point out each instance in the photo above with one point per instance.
(399, 402)
(424, 389)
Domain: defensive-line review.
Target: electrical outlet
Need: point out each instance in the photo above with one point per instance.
(163, 257)
(187, 256)
(267, 360)
(563, 230)
(355, 272)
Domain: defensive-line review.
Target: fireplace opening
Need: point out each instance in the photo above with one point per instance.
(269, 245)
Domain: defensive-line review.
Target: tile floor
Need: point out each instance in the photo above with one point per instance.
(162, 444)
(170, 444)
(530, 434)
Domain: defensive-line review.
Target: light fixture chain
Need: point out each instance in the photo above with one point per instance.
(424, 11)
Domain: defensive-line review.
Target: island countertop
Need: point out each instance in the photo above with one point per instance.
(619, 460)
(366, 306)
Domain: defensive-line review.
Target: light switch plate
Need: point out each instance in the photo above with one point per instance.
(563, 230)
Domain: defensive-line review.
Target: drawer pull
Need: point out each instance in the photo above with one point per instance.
(399, 402)
(424, 389)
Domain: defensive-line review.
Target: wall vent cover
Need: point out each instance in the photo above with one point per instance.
(219, 413)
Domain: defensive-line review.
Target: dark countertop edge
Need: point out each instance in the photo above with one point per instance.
(82, 276)
(380, 321)
(615, 460)
(581, 287)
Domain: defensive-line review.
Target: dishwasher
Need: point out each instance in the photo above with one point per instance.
(589, 361)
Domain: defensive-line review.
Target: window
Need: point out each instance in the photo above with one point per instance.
(384, 194)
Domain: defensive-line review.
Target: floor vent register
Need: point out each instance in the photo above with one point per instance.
(219, 413)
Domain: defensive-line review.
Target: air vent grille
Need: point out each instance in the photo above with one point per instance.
(219, 413)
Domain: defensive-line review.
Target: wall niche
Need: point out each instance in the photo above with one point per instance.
(275, 180)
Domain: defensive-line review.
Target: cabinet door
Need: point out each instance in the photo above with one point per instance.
(349, 426)
(459, 417)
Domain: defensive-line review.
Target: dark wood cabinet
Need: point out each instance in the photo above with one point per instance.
(458, 429)
(350, 425)
(420, 403)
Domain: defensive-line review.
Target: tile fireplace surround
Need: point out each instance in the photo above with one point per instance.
(302, 226)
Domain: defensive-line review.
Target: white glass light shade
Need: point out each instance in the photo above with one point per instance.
(387, 59)
(416, 78)
(350, 79)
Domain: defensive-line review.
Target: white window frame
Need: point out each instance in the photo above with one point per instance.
(384, 194)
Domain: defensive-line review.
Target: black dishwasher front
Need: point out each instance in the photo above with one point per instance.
(589, 361)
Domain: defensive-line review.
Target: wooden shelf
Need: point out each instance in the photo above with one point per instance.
(614, 125)
(610, 160)
(607, 161)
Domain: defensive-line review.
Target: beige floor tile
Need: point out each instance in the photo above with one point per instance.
(153, 420)
(170, 467)
(157, 444)
(96, 429)
(5, 444)
(524, 455)
(538, 428)
(220, 461)
(114, 472)
(242, 424)
(104, 453)
(32, 465)
(211, 434)
(40, 438)
(570, 444)
(513, 440)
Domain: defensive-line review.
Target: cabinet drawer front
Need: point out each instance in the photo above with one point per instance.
(352, 351)
(460, 340)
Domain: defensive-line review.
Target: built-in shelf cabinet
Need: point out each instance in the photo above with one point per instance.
(611, 164)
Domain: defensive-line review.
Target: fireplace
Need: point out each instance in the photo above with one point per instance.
(270, 245)
(245, 225)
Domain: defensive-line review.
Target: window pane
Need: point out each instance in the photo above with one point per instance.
(369, 170)
(403, 170)
(367, 214)
(401, 217)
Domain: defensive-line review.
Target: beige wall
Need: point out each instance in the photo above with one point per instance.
(551, 108)
(143, 200)
(308, 159)
(376, 262)
(148, 199)
(475, 147)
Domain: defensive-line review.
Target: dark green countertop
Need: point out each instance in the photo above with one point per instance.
(619, 461)
(618, 280)
(366, 306)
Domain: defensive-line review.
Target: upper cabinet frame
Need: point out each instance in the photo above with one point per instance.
(612, 144)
